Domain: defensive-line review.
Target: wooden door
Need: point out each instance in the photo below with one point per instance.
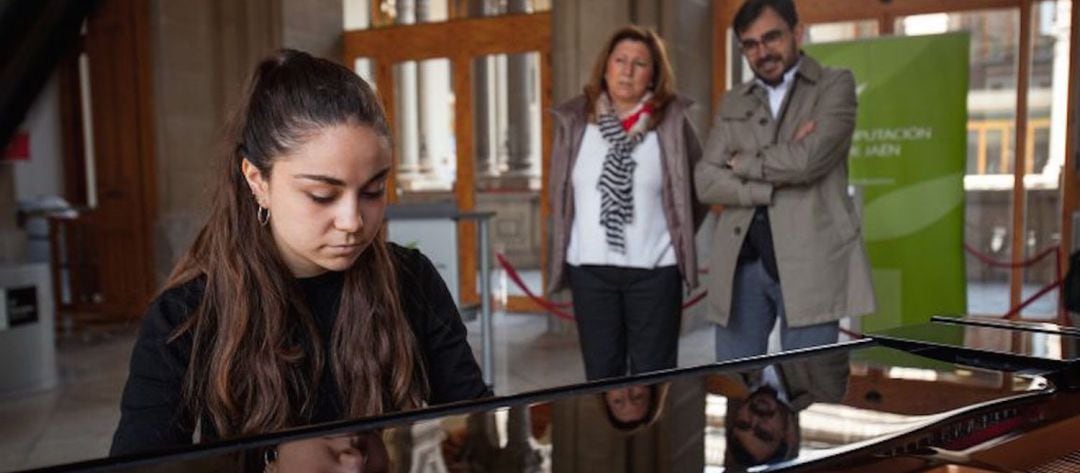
(104, 257)
(460, 41)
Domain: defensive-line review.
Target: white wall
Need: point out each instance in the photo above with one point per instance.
(43, 174)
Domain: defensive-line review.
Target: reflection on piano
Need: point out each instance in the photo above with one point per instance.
(949, 395)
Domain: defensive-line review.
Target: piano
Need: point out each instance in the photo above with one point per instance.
(950, 395)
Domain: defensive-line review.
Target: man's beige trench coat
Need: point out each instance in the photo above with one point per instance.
(821, 260)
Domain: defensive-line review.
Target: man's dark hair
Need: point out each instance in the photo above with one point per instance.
(752, 9)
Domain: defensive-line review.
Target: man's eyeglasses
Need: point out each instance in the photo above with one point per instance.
(769, 40)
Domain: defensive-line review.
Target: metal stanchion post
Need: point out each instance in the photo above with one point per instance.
(486, 329)
(433, 214)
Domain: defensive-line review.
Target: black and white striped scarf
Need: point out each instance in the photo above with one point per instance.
(617, 177)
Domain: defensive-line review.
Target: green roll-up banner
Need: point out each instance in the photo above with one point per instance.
(907, 166)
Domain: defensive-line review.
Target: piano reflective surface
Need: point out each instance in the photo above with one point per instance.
(949, 395)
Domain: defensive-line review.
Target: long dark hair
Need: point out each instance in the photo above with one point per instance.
(257, 357)
(663, 77)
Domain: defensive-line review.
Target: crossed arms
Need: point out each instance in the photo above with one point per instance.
(732, 176)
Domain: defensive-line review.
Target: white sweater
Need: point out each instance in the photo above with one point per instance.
(648, 243)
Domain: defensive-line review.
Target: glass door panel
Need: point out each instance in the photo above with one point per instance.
(424, 125)
(507, 141)
(1045, 148)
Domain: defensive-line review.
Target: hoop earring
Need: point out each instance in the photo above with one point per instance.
(263, 215)
(269, 457)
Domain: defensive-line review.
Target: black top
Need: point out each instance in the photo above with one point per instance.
(151, 414)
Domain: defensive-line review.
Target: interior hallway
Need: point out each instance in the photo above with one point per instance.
(75, 421)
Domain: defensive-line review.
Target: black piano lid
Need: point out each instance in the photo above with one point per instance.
(197, 451)
(1027, 325)
(1037, 348)
(866, 352)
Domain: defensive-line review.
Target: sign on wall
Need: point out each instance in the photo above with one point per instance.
(907, 165)
(18, 306)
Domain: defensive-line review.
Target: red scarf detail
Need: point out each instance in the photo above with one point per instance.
(630, 121)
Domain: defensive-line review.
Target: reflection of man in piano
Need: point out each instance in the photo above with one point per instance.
(350, 453)
(764, 429)
(763, 407)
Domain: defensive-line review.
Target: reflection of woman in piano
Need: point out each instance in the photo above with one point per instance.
(634, 407)
(618, 431)
(290, 307)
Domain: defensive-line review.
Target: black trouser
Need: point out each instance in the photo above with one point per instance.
(626, 313)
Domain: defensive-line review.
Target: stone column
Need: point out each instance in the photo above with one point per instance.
(502, 112)
(520, 70)
(434, 95)
(357, 16)
(686, 26)
(647, 13)
(306, 23)
(200, 67)
(405, 108)
(483, 104)
(499, 93)
(204, 51)
(579, 30)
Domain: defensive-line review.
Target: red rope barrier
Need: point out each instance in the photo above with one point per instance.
(1009, 264)
(556, 307)
(1015, 311)
(694, 300)
(855, 335)
(1052, 250)
(514, 276)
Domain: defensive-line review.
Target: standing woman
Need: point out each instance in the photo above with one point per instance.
(623, 207)
(290, 307)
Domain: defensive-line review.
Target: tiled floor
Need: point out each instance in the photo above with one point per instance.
(76, 421)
